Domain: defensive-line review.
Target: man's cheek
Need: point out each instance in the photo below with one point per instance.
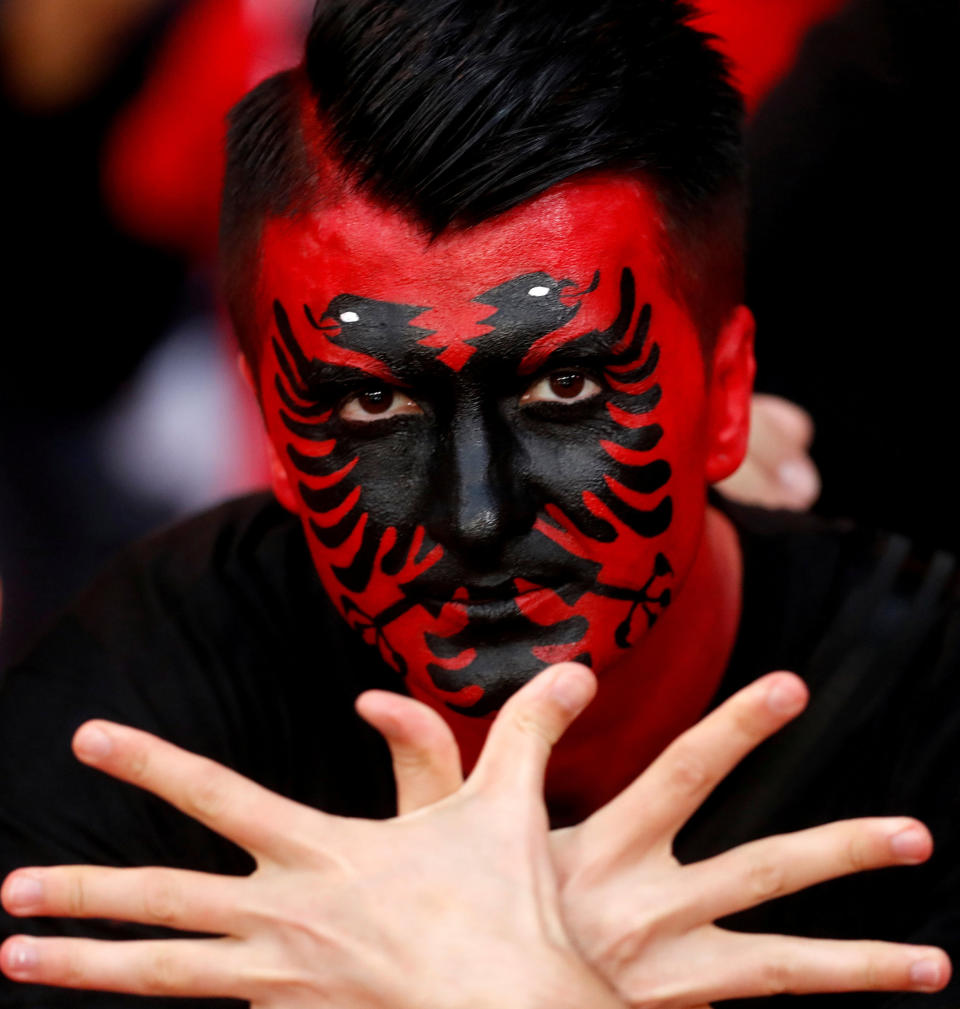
(368, 533)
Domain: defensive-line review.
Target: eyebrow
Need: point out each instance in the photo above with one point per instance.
(305, 373)
(595, 342)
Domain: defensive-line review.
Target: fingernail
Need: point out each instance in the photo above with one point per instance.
(910, 845)
(93, 743)
(925, 974)
(797, 477)
(786, 696)
(22, 957)
(24, 892)
(571, 688)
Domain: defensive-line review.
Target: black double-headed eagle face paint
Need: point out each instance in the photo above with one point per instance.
(495, 441)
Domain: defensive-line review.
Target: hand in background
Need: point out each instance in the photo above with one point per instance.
(778, 471)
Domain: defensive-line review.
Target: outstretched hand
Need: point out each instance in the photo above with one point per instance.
(465, 899)
(644, 920)
(453, 906)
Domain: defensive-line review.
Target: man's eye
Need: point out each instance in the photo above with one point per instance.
(566, 386)
(378, 403)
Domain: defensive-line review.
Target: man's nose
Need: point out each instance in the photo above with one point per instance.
(479, 497)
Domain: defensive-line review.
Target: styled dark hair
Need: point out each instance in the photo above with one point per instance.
(457, 110)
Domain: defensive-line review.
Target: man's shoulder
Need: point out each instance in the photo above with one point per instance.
(818, 590)
(215, 634)
(873, 625)
(218, 570)
(242, 534)
(178, 599)
(212, 600)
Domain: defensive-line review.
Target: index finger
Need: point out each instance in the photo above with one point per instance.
(673, 787)
(260, 821)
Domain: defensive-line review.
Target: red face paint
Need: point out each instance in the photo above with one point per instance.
(496, 441)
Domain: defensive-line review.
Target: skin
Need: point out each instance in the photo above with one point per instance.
(556, 919)
(499, 444)
(778, 471)
(469, 477)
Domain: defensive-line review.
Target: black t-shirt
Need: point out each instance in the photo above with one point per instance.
(217, 636)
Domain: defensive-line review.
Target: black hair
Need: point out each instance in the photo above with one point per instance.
(457, 110)
(268, 174)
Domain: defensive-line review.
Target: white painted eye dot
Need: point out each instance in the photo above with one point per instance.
(349, 317)
(538, 292)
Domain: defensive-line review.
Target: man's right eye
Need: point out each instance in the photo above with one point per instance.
(378, 403)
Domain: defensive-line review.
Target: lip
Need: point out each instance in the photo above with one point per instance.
(443, 586)
(489, 592)
(489, 609)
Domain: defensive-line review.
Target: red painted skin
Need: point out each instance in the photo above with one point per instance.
(663, 681)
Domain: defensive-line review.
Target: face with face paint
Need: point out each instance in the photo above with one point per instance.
(498, 442)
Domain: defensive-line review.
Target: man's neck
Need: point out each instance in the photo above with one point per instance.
(659, 689)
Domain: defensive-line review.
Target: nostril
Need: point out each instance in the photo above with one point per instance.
(479, 514)
(476, 504)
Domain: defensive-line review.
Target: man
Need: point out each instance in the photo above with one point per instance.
(484, 263)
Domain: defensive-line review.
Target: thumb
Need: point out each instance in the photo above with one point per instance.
(519, 743)
(426, 760)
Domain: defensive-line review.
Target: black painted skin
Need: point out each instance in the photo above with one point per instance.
(476, 469)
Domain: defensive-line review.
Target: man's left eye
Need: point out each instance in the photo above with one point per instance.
(567, 386)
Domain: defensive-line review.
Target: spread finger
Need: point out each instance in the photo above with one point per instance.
(173, 898)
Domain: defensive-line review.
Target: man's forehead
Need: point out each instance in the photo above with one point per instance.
(361, 247)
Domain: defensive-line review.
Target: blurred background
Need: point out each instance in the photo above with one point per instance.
(120, 404)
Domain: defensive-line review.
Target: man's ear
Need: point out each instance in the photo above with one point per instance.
(731, 386)
(279, 478)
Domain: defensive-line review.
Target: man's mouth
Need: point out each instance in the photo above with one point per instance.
(500, 601)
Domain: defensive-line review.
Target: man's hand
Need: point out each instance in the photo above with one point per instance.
(778, 471)
(645, 921)
(453, 906)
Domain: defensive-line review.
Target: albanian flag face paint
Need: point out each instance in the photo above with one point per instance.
(495, 441)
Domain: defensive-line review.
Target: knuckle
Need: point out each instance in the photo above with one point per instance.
(162, 901)
(409, 758)
(858, 851)
(205, 795)
(70, 972)
(748, 721)
(765, 880)
(874, 974)
(162, 974)
(688, 773)
(533, 728)
(883, 967)
(615, 955)
(778, 978)
(138, 764)
(266, 985)
(75, 895)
